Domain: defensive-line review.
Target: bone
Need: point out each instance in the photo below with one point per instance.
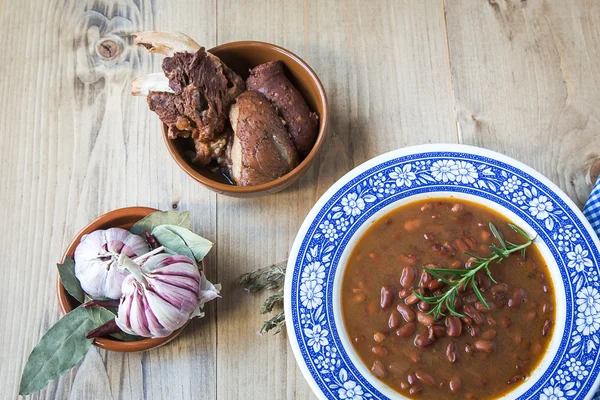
(157, 82)
(166, 43)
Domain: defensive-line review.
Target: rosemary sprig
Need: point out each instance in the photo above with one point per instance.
(461, 279)
(270, 278)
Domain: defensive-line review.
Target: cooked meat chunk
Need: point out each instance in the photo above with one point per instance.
(261, 150)
(206, 151)
(193, 96)
(207, 88)
(270, 80)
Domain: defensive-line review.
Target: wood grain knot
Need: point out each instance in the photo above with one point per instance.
(108, 49)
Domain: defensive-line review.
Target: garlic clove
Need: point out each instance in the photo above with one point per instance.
(96, 260)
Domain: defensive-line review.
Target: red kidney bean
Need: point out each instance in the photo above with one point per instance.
(426, 277)
(404, 385)
(457, 302)
(541, 277)
(426, 207)
(479, 306)
(464, 219)
(484, 346)
(435, 216)
(413, 224)
(461, 245)
(470, 299)
(387, 296)
(468, 264)
(411, 378)
(546, 308)
(448, 250)
(408, 259)
(430, 237)
(545, 289)
(474, 331)
(435, 285)
(491, 321)
(452, 352)
(472, 243)
(407, 312)
(476, 315)
(425, 319)
(518, 338)
(516, 378)
(408, 276)
(489, 334)
(372, 307)
(454, 326)
(394, 320)
(379, 337)
(423, 339)
(379, 351)
(468, 348)
(406, 330)
(483, 282)
(425, 378)
(467, 320)
(519, 297)
(359, 298)
(530, 315)
(411, 299)
(485, 236)
(415, 390)
(456, 264)
(378, 369)
(423, 306)
(546, 328)
(415, 357)
(404, 293)
(457, 208)
(504, 322)
(439, 331)
(455, 384)
(499, 289)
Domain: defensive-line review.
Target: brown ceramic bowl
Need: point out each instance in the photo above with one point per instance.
(121, 218)
(241, 57)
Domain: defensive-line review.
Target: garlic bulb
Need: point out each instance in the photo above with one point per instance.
(161, 295)
(96, 260)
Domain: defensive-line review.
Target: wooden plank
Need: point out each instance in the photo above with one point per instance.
(525, 76)
(75, 144)
(386, 74)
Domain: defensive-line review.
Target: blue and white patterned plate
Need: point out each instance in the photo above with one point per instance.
(318, 338)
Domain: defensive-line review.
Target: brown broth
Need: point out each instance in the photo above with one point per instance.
(496, 351)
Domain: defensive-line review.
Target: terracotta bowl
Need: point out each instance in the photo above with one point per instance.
(241, 57)
(120, 218)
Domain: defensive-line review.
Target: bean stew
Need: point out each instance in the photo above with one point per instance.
(494, 329)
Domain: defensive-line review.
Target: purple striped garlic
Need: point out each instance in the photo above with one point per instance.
(96, 260)
(160, 295)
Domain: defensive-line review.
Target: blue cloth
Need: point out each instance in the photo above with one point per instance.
(592, 213)
(592, 208)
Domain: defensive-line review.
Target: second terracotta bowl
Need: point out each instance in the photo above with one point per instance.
(120, 218)
(241, 57)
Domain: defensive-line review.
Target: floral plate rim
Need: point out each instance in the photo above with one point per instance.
(338, 384)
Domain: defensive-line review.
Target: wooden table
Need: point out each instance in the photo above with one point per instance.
(518, 77)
